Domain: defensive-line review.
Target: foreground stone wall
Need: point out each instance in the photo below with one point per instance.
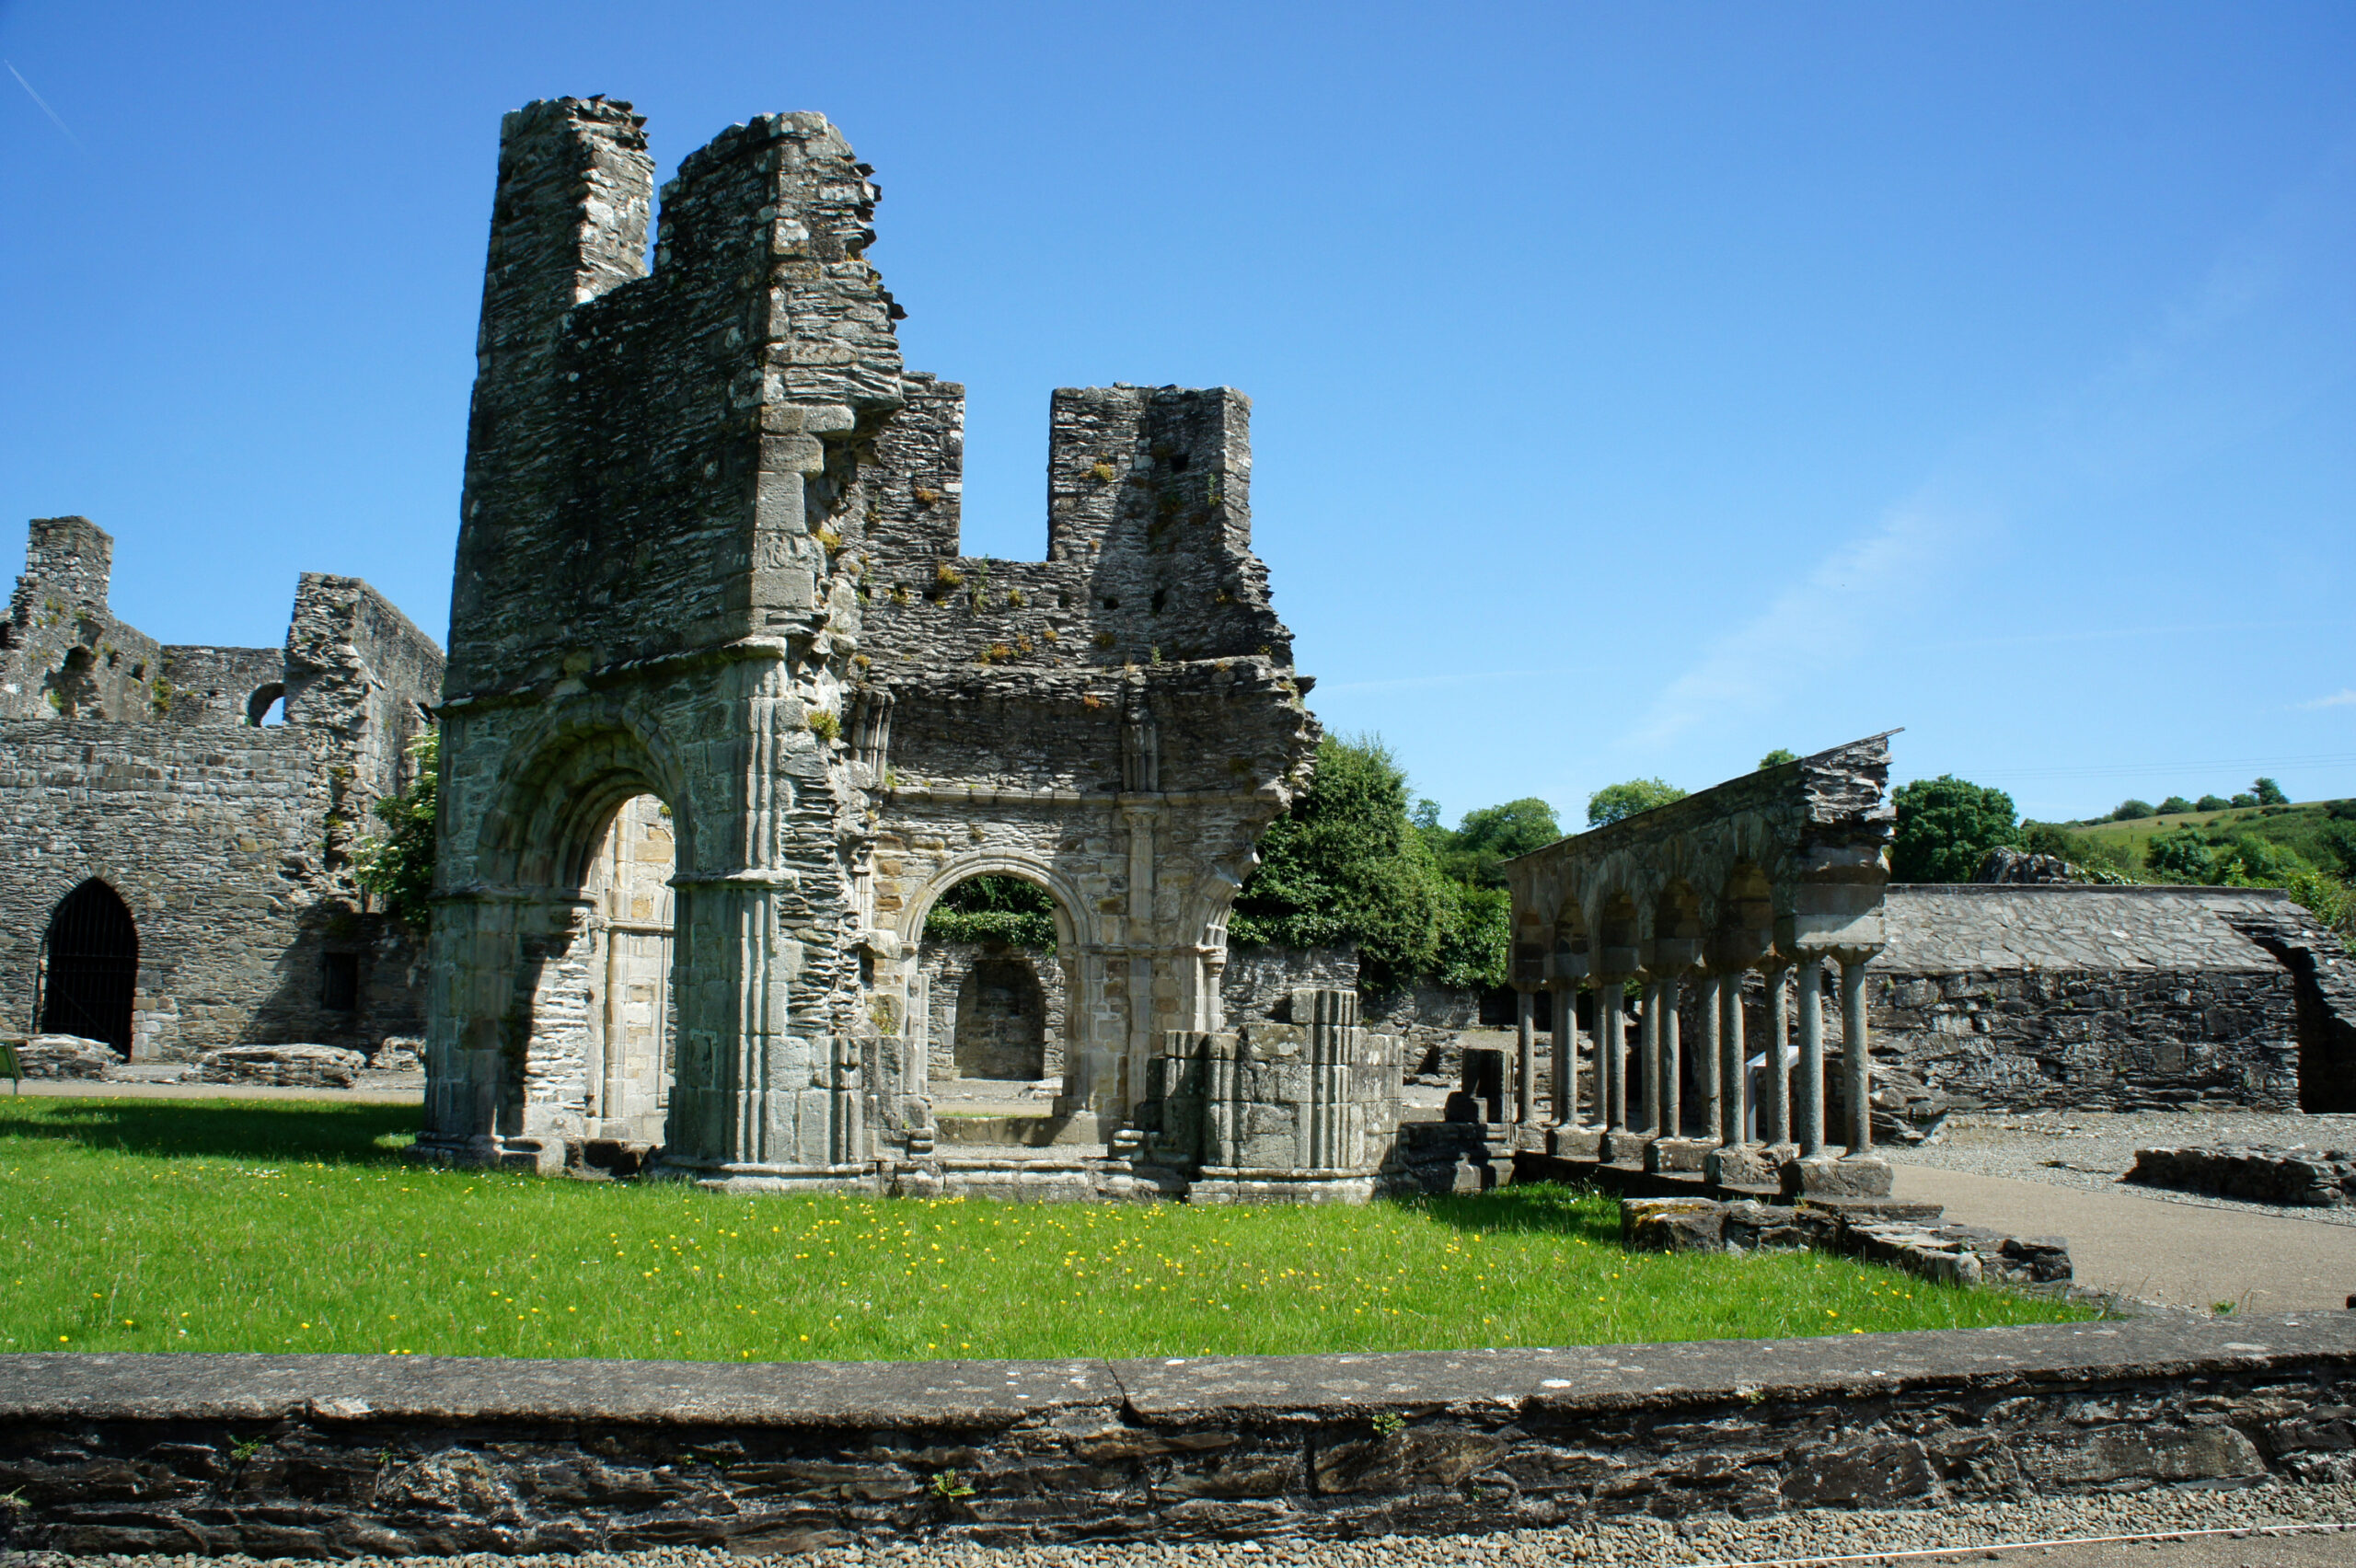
(2068, 996)
(338, 1456)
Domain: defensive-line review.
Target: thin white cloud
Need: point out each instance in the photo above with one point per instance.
(2345, 697)
(1832, 616)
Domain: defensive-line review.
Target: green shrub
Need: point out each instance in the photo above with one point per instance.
(2130, 810)
(2179, 855)
(2211, 804)
(1777, 757)
(2269, 793)
(1946, 828)
(399, 866)
(994, 908)
(2174, 805)
(2096, 859)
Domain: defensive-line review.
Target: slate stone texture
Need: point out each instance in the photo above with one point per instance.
(337, 1455)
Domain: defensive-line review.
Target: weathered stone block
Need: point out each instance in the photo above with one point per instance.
(1744, 1166)
(1672, 1224)
(295, 1067)
(1825, 1176)
(65, 1056)
(1676, 1155)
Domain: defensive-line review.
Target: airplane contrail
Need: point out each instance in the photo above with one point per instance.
(44, 104)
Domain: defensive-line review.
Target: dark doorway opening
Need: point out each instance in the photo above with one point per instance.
(93, 951)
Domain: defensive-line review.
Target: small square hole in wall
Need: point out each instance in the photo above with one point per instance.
(339, 982)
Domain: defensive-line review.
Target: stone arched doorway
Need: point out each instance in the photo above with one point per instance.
(632, 1027)
(92, 966)
(993, 967)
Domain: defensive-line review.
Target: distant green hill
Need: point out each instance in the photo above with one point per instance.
(2306, 827)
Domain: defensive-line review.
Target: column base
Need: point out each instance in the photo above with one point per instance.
(1625, 1148)
(1676, 1155)
(542, 1155)
(1575, 1143)
(1741, 1165)
(1825, 1176)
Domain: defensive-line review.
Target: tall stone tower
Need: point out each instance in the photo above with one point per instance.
(645, 604)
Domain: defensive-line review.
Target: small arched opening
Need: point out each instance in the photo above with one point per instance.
(995, 982)
(91, 955)
(266, 705)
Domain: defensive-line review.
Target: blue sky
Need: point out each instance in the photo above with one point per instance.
(1637, 389)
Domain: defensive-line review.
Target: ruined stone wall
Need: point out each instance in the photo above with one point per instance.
(229, 842)
(1258, 982)
(213, 839)
(2024, 997)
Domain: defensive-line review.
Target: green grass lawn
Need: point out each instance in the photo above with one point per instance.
(2296, 826)
(288, 1226)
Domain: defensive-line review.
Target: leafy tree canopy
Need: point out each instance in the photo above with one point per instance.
(398, 866)
(1614, 802)
(1348, 865)
(2128, 810)
(2211, 804)
(1777, 757)
(2269, 793)
(1946, 828)
(1493, 834)
(2243, 801)
(2176, 805)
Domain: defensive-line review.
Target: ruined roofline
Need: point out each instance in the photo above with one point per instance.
(1871, 753)
(329, 583)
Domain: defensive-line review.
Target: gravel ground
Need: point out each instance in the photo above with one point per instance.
(2093, 1149)
(1786, 1537)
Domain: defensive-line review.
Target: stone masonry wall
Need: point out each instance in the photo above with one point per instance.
(2022, 997)
(946, 968)
(326, 1456)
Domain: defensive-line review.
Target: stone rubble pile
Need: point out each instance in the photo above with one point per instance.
(2297, 1177)
(285, 1066)
(1901, 1235)
(65, 1056)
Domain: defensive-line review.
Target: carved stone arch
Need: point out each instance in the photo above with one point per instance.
(1073, 927)
(552, 807)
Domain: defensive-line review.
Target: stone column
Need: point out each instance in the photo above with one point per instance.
(1611, 1070)
(1566, 1055)
(1669, 1122)
(1525, 1077)
(1775, 1098)
(1705, 1053)
(1730, 1058)
(1649, 1055)
(1856, 1052)
(1807, 1119)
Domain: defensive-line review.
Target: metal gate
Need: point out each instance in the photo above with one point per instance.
(92, 954)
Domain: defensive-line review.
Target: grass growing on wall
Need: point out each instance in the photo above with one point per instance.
(293, 1227)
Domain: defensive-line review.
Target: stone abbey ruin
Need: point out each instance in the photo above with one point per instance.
(726, 713)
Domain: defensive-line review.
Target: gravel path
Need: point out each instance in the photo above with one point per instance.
(2091, 1149)
(1785, 1538)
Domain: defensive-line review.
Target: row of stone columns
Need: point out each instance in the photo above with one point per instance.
(1791, 1098)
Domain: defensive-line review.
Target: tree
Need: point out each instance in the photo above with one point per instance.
(2243, 802)
(2128, 810)
(2211, 804)
(399, 866)
(1776, 758)
(1946, 828)
(1615, 802)
(2180, 854)
(1347, 865)
(2176, 805)
(1497, 834)
(2269, 793)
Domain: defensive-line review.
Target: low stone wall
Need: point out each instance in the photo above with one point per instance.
(336, 1455)
(2295, 1178)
